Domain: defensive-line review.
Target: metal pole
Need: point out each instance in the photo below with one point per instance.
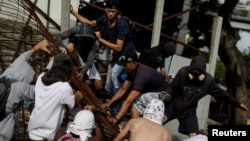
(215, 39)
(65, 17)
(217, 24)
(183, 30)
(159, 6)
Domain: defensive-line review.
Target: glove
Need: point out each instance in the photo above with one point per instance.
(63, 50)
(165, 96)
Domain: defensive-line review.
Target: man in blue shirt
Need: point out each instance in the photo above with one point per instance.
(119, 41)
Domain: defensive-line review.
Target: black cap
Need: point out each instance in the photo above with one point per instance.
(127, 57)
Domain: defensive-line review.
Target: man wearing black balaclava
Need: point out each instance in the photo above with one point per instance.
(190, 84)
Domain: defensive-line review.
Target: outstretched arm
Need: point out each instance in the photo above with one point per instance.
(65, 35)
(91, 57)
(81, 18)
(41, 46)
(117, 96)
(126, 104)
(24, 57)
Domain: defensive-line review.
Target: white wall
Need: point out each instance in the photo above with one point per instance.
(55, 10)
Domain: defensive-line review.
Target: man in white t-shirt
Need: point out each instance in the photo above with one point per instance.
(53, 92)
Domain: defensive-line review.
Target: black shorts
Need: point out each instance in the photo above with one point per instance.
(187, 124)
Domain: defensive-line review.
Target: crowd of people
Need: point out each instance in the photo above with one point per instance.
(145, 93)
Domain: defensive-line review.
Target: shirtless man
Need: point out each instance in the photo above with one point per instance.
(147, 128)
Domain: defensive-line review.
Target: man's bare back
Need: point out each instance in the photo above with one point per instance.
(142, 129)
(147, 128)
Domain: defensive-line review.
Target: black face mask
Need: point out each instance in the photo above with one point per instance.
(196, 76)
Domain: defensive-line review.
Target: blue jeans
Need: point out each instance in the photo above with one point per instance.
(113, 83)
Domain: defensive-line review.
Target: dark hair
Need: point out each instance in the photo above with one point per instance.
(112, 4)
(61, 69)
(168, 48)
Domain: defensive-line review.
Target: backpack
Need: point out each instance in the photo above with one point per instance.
(4, 94)
(131, 24)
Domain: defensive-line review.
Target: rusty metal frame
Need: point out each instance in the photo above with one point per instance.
(31, 21)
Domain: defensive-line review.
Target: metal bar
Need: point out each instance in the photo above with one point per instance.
(150, 29)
